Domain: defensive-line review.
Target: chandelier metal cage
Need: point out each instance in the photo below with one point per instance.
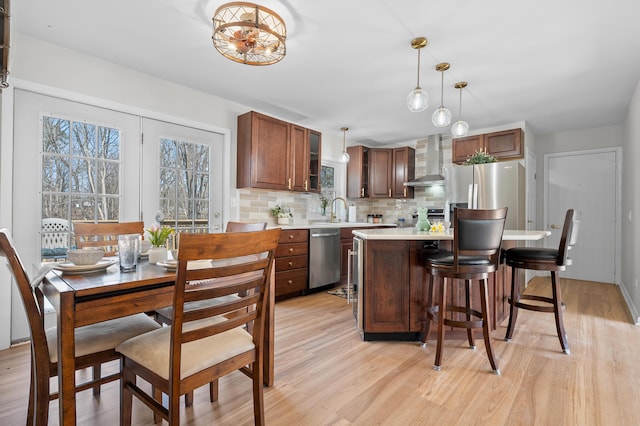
(249, 33)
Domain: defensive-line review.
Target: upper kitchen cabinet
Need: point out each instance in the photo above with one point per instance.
(274, 154)
(358, 172)
(380, 172)
(506, 144)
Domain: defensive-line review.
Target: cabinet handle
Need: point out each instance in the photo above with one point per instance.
(291, 250)
(362, 192)
(404, 192)
(289, 183)
(290, 263)
(290, 281)
(389, 192)
(291, 236)
(306, 185)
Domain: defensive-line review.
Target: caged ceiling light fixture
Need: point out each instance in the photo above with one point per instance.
(418, 99)
(442, 116)
(344, 157)
(249, 33)
(460, 128)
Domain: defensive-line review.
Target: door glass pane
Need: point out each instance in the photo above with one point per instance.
(80, 179)
(184, 185)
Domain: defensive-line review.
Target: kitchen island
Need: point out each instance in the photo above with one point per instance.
(391, 280)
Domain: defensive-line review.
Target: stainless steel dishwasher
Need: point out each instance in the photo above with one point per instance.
(324, 257)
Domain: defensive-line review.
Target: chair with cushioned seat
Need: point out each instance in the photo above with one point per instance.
(104, 235)
(542, 259)
(205, 343)
(476, 254)
(164, 315)
(94, 344)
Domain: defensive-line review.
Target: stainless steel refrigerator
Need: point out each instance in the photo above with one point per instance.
(487, 186)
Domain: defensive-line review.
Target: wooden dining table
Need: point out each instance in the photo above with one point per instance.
(87, 298)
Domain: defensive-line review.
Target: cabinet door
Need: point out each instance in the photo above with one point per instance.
(386, 287)
(299, 158)
(263, 143)
(404, 160)
(380, 172)
(358, 172)
(465, 147)
(506, 144)
(315, 154)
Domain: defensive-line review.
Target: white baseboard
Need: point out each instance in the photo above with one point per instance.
(633, 309)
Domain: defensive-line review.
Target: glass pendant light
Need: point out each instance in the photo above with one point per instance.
(460, 128)
(418, 99)
(442, 116)
(344, 157)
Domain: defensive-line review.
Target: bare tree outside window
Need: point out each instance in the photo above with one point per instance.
(184, 185)
(80, 171)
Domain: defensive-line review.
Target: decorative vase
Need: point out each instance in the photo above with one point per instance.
(157, 254)
(283, 221)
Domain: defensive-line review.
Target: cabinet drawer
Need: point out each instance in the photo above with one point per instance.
(291, 262)
(291, 281)
(292, 249)
(293, 236)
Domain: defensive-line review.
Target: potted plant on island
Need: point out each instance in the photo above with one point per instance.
(158, 238)
(282, 213)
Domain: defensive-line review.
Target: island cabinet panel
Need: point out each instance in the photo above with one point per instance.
(292, 262)
(386, 288)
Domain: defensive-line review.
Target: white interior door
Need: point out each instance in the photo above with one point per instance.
(587, 181)
(154, 131)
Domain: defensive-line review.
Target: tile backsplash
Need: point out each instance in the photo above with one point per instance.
(255, 203)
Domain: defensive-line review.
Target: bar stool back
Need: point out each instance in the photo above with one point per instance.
(542, 259)
(477, 237)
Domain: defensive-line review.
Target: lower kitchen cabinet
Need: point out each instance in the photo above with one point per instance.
(292, 262)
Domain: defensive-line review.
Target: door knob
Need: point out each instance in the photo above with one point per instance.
(555, 226)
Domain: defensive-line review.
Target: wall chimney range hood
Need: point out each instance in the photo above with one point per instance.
(434, 174)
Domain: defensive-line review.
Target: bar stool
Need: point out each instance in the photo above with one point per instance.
(477, 237)
(542, 259)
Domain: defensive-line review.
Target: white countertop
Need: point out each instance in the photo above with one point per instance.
(414, 234)
(333, 225)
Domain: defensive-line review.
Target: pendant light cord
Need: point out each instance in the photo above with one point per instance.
(418, 79)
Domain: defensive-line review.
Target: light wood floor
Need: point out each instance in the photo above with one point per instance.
(325, 375)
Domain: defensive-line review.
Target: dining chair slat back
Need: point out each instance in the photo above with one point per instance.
(211, 340)
(104, 235)
(95, 344)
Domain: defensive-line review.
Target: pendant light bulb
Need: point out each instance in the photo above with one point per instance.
(418, 99)
(442, 116)
(460, 128)
(344, 157)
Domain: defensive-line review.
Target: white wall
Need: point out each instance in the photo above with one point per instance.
(631, 207)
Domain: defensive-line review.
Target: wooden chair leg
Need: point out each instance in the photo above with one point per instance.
(485, 325)
(188, 399)
(32, 396)
(442, 310)
(557, 310)
(157, 395)
(513, 309)
(258, 397)
(213, 390)
(428, 304)
(126, 397)
(467, 297)
(97, 373)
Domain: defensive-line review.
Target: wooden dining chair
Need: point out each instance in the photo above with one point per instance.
(94, 344)
(206, 343)
(553, 260)
(477, 237)
(164, 315)
(104, 235)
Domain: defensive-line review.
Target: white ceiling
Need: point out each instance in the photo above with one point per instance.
(558, 65)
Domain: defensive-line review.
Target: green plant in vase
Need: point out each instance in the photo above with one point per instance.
(481, 156)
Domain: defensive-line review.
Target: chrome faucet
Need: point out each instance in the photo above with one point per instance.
(333, 214)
